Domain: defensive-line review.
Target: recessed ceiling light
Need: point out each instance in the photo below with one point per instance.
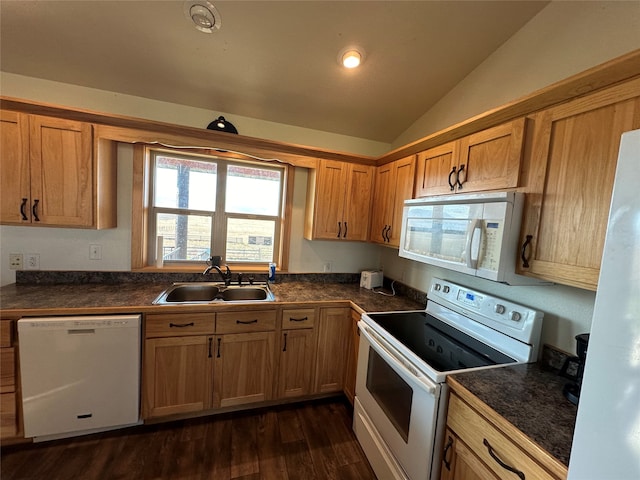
(203, 14)
(351, 57)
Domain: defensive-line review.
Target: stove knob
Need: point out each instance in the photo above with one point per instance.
(446, 289)
(437, 287)
(439, 349)
(499, 309)
(515, 316)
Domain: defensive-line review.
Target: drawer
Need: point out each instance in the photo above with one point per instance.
(6, 333)
(482, 436)
(240, 322)
(7, 370)
(178, 325)
(8, 418)
(298, 318)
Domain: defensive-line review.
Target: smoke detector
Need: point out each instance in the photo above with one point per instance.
(203, 14)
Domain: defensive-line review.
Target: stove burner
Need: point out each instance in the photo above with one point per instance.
(442, 346)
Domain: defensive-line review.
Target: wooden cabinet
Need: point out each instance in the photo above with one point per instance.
(351, 368)
(339, 201)
(53, 174)
(178, 363)
(297, 352)
(244, 357)
(8, 407)
(334, 328)
(394, 184)
(480, 446)
(487, 160)
(574, 154)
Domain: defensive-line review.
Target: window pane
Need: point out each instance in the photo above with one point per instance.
(186, 237)
(250, 240)
(183, 183)
(253, 190)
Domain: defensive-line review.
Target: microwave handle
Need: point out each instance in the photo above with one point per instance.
(473, 243)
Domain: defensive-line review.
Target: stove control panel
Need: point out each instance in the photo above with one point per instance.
(499, 314)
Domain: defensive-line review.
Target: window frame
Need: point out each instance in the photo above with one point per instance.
(143, 241)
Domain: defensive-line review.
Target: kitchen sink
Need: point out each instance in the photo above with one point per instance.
(208, 292)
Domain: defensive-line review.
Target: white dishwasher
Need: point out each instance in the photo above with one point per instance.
(79, 374)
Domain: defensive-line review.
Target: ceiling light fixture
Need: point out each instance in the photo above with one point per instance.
(351, 57)
(222, 125)
(203, 14)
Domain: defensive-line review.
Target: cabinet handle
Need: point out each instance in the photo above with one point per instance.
(345, 230)
(383, 230)
(210, 344)
(447, 463)
(291, 319)
(34, 210)
(284, 349)
(500, 462)
(219, 340)
(525, 260)
(339, 229)
(22, 207)
(387, 237)
(243, 322)
(181, 325)
(461, 175)
(451, 174)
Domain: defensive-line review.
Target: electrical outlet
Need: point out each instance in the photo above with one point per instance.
(95, 252)
(327, 267)
(32, 261)
(15, 261)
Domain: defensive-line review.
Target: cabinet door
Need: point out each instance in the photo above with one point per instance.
(331, 181)
(177, 375)
(244, 368)
(403, 190)
(352, 357)
(575, 151)
(383, 201)
(297, 353)
(358, 202)
(490, 160)
(436, 169)
(333, 332)
(14, 167)
(60, 153)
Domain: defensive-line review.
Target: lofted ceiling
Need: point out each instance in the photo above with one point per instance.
(270, 60)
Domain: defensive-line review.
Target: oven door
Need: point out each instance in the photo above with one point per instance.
(400, 409)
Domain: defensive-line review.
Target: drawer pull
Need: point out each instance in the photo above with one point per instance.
(303, 319)
(242, 322)
(500, 462)
(181, 325)
(447, 463)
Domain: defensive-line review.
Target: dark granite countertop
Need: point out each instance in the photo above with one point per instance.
(530, 398)
(30, 299)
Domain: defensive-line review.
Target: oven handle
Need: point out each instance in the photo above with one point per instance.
(385, 350)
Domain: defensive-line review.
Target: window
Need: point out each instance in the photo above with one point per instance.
(205, 206)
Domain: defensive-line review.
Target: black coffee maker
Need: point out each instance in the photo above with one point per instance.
(575, 364)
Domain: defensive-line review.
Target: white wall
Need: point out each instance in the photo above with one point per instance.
(565, 38)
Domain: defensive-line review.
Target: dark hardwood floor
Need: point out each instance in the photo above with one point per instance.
(306, 441)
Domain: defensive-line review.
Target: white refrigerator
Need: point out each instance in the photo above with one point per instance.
(606, 442)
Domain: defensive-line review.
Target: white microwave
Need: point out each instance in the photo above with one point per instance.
(476, 234)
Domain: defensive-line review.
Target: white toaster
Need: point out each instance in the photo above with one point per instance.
(371, 279)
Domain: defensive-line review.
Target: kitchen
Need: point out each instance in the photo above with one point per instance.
(568, 310)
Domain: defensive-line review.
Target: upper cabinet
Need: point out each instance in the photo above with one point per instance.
(487, 160)
(574, 152)
(54, 174)
(393, 185)
(339, 201)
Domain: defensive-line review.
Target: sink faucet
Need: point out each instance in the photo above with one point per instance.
(214, 264)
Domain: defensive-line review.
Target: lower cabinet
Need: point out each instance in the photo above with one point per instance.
(352, 357)
(297, 352)
(9, 426)
(334, 326)
(479, 448)
(178, 363)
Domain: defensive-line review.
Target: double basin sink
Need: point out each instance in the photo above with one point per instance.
(213, 292)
